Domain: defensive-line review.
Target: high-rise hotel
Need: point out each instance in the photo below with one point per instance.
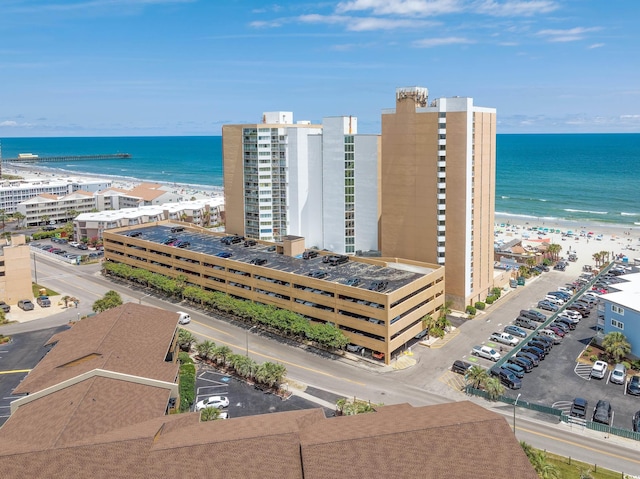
(315, 181)
(438, 188)
(422, 191)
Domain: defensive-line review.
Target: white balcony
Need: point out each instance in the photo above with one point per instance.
(442, 164)
(442, 174)
(442, 196)
(442, 217)
(441, 239)
(441, 228)
(440, 249)
(442, 185)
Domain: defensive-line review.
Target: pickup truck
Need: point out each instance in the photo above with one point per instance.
(485, 352)
(504, 338)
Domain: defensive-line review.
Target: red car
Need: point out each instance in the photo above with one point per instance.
(558, 331)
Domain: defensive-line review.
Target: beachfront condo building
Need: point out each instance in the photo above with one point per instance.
(319, 182)
(438, 188)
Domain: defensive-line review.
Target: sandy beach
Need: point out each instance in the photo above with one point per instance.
(620, 240)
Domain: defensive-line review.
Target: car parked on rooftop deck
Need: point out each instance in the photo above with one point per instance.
(570, 324)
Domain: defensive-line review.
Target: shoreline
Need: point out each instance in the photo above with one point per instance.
(624, 230)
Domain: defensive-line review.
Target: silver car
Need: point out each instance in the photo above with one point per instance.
(619, 374)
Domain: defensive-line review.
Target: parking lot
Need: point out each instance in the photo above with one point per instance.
(247, 400)
(560, 377)
(17, 358)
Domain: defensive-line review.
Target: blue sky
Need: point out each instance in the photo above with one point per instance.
(186, 67)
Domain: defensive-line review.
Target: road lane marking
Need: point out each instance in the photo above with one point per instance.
(15, 371)
(317, 371)
(208, 327)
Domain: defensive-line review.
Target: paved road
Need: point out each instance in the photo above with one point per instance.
(423, 384)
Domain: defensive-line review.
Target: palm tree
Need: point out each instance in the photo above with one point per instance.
(205, 349)
(446, 309)
(3, 217)
(209, 414)
(554, 250)
(540, 462)
(19, 217)
(597, 257)
(476, 376)
(616, 345)
(494, 388)
(428, 322)
(221, 353)
(185, 339)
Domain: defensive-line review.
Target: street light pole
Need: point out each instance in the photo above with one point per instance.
(514, 413)
(248, 331)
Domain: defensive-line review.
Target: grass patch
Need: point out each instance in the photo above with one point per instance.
(573, 470)
(36, 290)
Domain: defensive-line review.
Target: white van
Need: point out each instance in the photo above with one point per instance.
(183, 318)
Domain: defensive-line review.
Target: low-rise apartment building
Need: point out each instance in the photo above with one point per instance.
(378, 303)
(14, 192)
(204, 212)
(46, 208)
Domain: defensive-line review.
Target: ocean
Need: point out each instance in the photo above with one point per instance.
(578, 177)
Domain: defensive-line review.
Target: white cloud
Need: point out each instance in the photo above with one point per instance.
(499, 8)
(596, 45)
(569, 35)
(437, 42)
(358, 24)
(402, 7)
(8, 123)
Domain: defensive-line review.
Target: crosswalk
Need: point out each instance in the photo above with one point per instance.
(583, 371)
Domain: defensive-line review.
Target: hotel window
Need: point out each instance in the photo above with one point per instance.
(617, 309)
(617, 324)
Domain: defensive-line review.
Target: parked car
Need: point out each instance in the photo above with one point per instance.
(459, 366)
(547, 306)
(560, 325)
(636, 421)
(526, 323)
(599, 369)
(354, 348)
(43, 301)
(515, 331)
(213, 401)
(5, 307)
(515, 369)
(534, 315)
(506, 377)
(619, 374)
(533, 350)
(535, 360)
(377, 355)
(524, 363)
(602, 413)
(486, 352)
(579, 408)
(633, 387)
(26, 305)
(504, 338)
(543, 346)
(544, 339)
(570, 324)
(568, 316)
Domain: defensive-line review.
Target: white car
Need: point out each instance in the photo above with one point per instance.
(599, 369)
(184, 318)
(619, 374)
(213, 401)
(569, 317)
(573, 314)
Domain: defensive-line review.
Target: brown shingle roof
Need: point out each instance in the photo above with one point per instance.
(114, 340)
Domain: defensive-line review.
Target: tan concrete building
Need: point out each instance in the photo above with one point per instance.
(15, 270)
(377, 302)
(438, 188)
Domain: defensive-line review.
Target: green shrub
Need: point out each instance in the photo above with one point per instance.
(184, 358)
(187, 386)
(480, 305)
(496, 292)
(626, 364)
(490, 299)
(593, 358)
(471, 310)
